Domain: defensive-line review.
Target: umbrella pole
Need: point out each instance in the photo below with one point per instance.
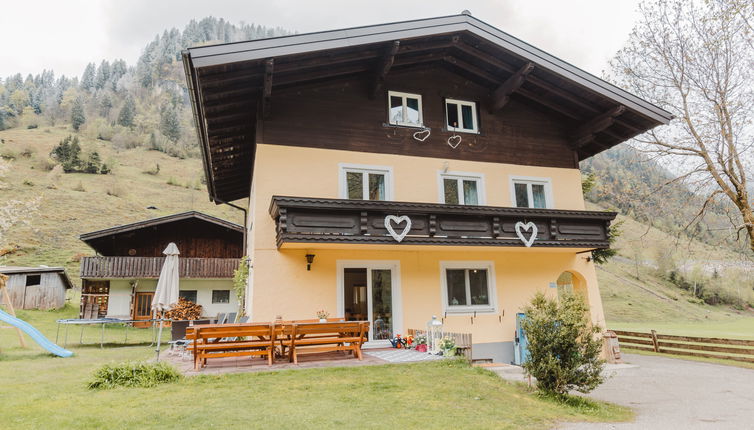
(159, 338)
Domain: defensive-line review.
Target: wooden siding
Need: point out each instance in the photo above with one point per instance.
(194, 238)
(150, 267)
(310, 220)
(49, 294)
(342, 116)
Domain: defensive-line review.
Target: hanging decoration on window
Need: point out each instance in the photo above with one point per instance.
(521, 227)
(390, 219)
(422, 135)
(454, 141)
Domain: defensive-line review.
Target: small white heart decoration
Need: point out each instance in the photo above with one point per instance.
(454, 141)
(397, 220)
(421, 136)
(528, 226)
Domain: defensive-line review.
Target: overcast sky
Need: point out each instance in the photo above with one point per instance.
(66, 35)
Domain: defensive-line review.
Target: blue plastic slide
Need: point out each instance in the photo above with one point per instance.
(35, 335)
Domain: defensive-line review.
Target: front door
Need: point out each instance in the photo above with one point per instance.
(143, 309)
(368, 292)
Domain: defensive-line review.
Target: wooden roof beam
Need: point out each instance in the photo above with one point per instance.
(269, 67)
(384, 68)
(501, 95)
(585, 133)
(474, 70)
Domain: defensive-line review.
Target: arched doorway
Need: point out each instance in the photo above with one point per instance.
(572, 283)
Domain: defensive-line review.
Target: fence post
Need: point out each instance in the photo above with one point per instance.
(654, 341)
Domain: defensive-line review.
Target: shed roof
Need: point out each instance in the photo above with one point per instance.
(229, 82)
(20, 270)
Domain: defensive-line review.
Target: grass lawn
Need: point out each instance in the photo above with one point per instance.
(40, 391)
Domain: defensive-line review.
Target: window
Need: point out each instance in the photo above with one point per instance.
(189, 295)
(220, 296)
(461, 189)
(32, 280)
(365, 182)
(461, 116)
(405, 109)
(468, 286)
(531, 192)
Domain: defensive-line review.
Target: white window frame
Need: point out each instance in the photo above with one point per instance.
(461, 176)
(403, 97)
(530, 180)
(474, 117)
(471, 265)
(344, 168)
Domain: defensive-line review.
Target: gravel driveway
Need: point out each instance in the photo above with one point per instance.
(669, 393)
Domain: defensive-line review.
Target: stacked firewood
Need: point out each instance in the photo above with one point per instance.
(184, 310)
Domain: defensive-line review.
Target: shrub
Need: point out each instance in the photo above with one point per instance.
(115, 190)
(563, 346)
(28, 182)
(133, 374)
(8, 154)
(174, 182)
(126, 140)
(153, 171)
(79, 187)
(27, 152)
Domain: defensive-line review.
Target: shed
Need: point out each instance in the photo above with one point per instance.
(37, 287)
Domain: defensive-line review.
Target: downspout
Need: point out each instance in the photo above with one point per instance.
(245, 244)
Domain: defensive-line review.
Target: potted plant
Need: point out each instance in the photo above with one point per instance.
(448, 346)
(322, 315)
(421, 342)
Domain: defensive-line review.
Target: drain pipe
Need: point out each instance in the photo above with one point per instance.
(245, 220)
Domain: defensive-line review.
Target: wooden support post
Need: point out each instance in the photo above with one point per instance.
(654, 341)
(384, 68)
(269, 66)
(501, 95)
(9, 305)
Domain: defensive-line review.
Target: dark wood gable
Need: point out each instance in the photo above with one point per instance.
(238, 88)
(197, 236)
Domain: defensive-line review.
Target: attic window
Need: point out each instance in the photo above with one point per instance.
(405, 109)
(461, 116)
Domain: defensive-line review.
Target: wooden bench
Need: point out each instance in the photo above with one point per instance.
(212, 341)
(321, 337)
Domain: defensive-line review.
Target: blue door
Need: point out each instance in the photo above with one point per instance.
(521, 345)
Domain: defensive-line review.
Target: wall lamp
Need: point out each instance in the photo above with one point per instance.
(309, 261)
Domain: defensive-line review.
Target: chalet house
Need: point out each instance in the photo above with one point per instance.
(36, 287)
(120, 281)
(404, 170)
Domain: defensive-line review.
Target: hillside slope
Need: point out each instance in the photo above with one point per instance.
(76, 203)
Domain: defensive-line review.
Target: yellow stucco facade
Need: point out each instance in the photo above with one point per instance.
(281, 286)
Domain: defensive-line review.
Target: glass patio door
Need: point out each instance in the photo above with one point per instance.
(367, 294)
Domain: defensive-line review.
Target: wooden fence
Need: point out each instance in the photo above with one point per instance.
(463, 341)
(710, 347)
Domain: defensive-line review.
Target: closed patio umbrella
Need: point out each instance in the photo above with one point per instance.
(166, 294)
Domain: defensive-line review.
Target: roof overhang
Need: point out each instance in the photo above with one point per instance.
(230, 83)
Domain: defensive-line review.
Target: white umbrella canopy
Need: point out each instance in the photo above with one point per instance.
(166, 294)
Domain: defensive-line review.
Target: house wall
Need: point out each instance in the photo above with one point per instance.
(49, 294)
(119, 305)
(281, 286)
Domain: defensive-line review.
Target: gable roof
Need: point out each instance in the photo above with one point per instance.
(228, 83)
(86, 237)
(20, 270)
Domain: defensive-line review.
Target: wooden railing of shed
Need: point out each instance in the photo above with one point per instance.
(150, 267)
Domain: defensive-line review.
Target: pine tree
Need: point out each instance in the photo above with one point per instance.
(87, 79)
(77, 114)
(127, 113)
(105, 104)
(103, 75)
(169, 124)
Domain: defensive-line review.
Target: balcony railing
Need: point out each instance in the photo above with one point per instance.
(150, 267)
(313, 220)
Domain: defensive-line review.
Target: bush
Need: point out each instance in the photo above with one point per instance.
(8, 154)
(126, 140)
(563, 346)
(133, 374)
(27, 152)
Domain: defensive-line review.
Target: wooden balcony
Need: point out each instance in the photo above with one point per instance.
(149, 267)
(314, 220)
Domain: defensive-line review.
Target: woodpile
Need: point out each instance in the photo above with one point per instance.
(184, 310)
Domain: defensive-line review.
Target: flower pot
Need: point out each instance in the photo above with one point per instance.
(421, 347)
(323, 320)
